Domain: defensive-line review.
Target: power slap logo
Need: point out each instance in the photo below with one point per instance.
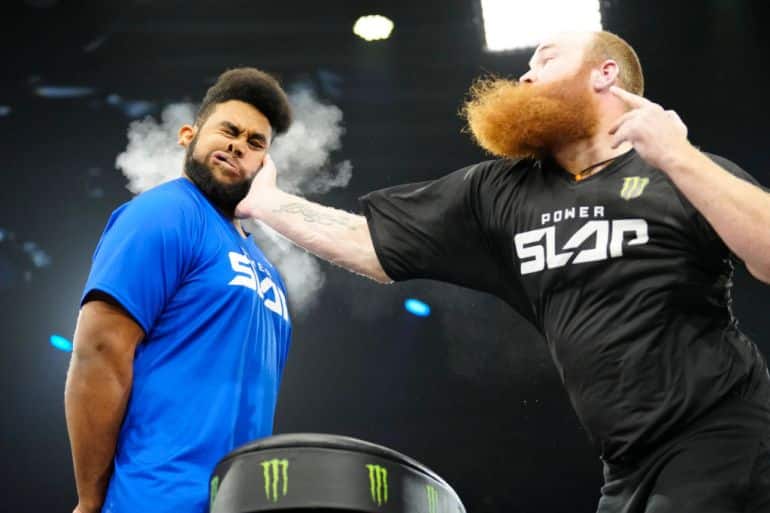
(257, 278)
(595, 240)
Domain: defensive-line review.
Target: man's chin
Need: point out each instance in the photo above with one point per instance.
(223, 191)
(227, 178)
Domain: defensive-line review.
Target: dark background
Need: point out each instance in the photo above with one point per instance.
(470, 390)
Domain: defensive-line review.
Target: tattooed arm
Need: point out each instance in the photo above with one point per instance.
(334, 235)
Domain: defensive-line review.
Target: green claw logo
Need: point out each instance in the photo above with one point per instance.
(272, 478)
(432, 498)
(378, 484)
(633, 187)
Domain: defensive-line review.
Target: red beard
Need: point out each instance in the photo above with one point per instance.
(514, 120)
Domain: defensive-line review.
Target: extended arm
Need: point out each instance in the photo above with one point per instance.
(96, 394)
(336, 236)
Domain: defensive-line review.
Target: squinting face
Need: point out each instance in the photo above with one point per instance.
(556, 59)
(226, 152)
(233, 141)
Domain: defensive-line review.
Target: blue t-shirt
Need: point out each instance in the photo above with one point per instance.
(217, 328)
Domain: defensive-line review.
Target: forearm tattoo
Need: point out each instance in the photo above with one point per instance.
(313, 215)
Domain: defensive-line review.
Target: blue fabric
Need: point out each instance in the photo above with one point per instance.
(206, 376)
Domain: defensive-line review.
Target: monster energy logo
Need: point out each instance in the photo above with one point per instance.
(272, 478)
(378, 484)
(432, 498)
(213, 489)
(633, 187)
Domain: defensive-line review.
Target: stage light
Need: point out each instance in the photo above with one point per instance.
(373, 28)
(61, 343)
(64, 91)
(417, 307)
(512, 24)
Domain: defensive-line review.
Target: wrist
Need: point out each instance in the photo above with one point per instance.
(258, 203)
(682, 157)
(89, 506)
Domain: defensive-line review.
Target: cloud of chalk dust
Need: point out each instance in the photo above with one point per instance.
(302, 156)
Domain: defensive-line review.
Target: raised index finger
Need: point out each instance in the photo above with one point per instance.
(633, 100)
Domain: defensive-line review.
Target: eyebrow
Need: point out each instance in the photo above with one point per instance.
(254, 135)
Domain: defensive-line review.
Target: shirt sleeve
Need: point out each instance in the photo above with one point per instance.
(142, 257)
(437, 229)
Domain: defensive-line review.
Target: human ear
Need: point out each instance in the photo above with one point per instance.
(605, 76)
(186, 134)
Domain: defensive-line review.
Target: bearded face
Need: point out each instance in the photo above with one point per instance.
(510, 119)
(224, 196)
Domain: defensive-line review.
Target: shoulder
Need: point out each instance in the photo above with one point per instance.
(177, 196)
(171, 201)
(731, 167)
(494, 167)
(173, 206)
(496, 173)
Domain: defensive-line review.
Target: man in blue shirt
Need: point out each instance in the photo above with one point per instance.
(184, 330)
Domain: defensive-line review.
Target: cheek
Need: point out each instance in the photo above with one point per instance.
(201, 149)
(553, 73)
(254, 160)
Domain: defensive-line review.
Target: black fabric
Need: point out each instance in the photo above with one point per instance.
(720, 465)
(624, 278)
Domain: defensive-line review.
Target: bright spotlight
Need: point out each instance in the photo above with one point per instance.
(512, 24)
(373, 28)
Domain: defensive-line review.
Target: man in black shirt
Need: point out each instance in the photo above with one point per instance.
(604, 227)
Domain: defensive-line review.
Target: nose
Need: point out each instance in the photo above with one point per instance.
(236, 148)
(527, 78)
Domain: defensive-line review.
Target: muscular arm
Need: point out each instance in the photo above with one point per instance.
(96, 393)
(737, 210)
(336, 236)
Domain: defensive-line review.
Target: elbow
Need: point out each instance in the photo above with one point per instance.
(364, 261)
(375, 271)
(381, 278)
(760, 272)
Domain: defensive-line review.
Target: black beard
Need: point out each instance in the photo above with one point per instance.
(224, 196)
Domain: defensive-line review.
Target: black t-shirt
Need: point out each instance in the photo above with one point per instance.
(627, 282)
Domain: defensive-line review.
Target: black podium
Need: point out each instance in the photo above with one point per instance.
(326, 473)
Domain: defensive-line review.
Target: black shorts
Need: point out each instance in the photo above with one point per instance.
(720, 464)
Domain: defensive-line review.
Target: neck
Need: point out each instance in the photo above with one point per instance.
(229, 215)
(579, 155)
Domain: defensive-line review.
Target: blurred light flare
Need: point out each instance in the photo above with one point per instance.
(58, 92)
(417, 307)
(373, 28)
(61, 343)
(515, 24)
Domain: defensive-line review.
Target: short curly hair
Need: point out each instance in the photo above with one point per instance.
(252, 86)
